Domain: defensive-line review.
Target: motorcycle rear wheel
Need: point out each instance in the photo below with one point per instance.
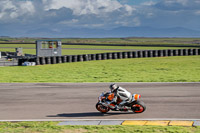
(102, 108)
(138, 107)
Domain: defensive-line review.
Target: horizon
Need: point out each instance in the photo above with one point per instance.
(100, 18)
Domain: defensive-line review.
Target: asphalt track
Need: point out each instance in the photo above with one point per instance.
(22, 101)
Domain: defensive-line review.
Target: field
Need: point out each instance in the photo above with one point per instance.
(128, 40)
(82, 49)
(160, 69)
(52, 127)
(140, 44)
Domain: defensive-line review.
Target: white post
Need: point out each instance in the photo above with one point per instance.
(0, 54)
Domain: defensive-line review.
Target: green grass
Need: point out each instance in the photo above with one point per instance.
(129, 40)
(52, 127)
(160, 69)
(76, 50)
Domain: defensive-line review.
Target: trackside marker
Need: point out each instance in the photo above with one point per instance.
(157, 123)
(127, 122)
(181, 123)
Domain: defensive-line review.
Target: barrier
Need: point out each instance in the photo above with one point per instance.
(144, 54)
(104, 56)
(85, 58)
(48, 60)
(130, 54)
(93, 57)
(114, 55)
(185, 52)
(124, 55)
(64, 59)
(109, 55)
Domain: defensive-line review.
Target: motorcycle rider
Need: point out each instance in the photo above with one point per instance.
(121, 93)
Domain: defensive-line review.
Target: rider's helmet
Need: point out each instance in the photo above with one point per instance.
(113, 87)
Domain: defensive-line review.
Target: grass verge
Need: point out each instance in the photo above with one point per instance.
(160, 69)
(82, 49)
(52, 127)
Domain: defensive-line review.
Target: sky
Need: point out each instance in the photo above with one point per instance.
(59, 18)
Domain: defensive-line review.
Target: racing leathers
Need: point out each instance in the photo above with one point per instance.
(122, 94)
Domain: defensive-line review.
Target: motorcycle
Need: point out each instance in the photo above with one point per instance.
(136, 105)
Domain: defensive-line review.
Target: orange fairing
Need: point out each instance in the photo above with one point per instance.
(137, 96)
(111, 96)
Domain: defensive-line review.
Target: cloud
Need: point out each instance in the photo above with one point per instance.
(82, 7)
(25, 16)
(174, 5)
(11, 10)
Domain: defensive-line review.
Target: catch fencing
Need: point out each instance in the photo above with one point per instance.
(113, 55)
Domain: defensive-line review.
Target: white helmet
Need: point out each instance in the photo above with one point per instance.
(113, 87)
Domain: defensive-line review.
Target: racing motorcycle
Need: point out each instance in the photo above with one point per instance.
(135, 105)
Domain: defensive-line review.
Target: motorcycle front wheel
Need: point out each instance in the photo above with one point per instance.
(138, 107)
(102, 108)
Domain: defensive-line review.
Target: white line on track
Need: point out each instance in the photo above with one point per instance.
(98, 119)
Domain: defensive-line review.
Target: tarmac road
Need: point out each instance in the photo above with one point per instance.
(22, 101)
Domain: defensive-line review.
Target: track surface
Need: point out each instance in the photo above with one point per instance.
(20, 101)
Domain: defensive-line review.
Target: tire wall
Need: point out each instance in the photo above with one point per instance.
(113, 55)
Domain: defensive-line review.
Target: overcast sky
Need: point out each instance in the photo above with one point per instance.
(19, 17)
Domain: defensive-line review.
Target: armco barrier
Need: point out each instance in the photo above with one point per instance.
(114, 55)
